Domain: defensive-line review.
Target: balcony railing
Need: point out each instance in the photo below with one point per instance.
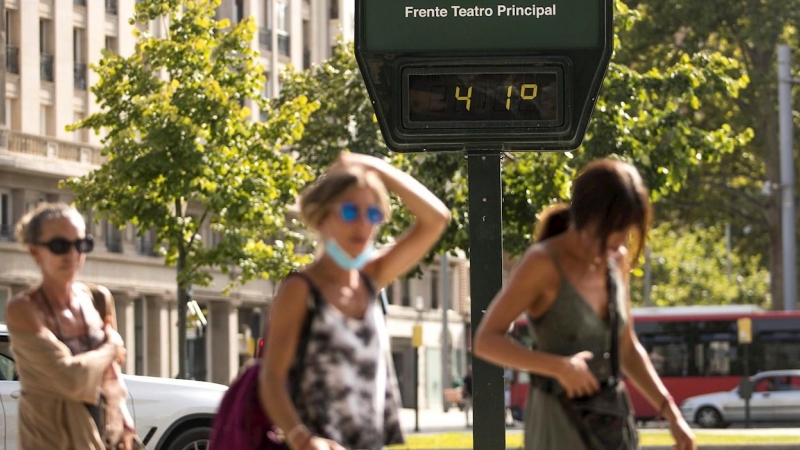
(35, 145)
(265, 38)
(283, 44)
(46, 63)
(111, 7)
(12, 59)
(79, 74)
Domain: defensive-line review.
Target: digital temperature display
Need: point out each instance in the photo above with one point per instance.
(484, 97)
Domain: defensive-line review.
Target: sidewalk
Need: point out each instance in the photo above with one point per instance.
(436, 421)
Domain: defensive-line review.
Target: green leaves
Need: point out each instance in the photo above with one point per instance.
(690, 266)
(183, 153)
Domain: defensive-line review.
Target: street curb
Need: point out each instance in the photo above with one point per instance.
(731, 447)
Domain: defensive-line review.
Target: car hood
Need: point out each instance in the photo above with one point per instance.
(174, 383)
(154, 388)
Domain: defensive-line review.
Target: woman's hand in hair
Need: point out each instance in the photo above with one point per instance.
(576, 378)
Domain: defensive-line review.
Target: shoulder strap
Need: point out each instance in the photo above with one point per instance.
(314, 305)
(104, 304)
(613, 317)
(371, 290)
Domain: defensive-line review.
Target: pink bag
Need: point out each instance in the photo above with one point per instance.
(241, 423)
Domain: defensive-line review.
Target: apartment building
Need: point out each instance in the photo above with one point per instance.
(48, 47)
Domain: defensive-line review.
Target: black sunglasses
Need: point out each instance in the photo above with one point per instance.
(61, 246)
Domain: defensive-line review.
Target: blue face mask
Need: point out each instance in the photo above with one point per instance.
(345, 261)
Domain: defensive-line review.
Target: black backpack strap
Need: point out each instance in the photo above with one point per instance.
(613, 318)
(314, 306)
(372, 292)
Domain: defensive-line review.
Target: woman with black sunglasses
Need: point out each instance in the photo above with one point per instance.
(62, 346)
(346, 394)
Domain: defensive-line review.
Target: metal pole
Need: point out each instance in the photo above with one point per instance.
(486, 279)
(416, 388)
(446, 381)
(787, 177)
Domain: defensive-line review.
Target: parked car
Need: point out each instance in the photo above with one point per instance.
(169, 414)
(775, 398)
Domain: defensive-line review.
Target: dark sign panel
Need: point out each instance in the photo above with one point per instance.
(445, 75)
(424, 25)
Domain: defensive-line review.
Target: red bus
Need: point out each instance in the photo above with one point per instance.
(696, 350)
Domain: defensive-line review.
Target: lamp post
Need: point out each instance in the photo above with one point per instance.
(416, 343)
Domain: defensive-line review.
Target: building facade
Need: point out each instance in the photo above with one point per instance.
(44, 80)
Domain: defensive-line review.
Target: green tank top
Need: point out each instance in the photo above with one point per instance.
(571, 326)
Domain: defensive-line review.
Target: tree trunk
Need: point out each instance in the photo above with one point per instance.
(183, 300)
(766, 137)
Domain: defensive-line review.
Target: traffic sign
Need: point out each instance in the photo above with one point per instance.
(444, 75)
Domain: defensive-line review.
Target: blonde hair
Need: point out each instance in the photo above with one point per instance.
(318, 199)
(29, 229)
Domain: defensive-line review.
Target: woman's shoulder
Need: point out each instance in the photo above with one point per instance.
(22, 312)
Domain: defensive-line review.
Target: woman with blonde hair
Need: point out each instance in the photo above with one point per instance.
(64, 351)
(346, 395)
(572, 284)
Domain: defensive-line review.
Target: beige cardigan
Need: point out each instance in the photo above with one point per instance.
(56, 386)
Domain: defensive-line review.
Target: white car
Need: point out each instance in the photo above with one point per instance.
(169, 414)
(775, 398)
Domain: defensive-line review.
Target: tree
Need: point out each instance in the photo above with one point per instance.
(690, 267)
(742, 187)
(182, 151)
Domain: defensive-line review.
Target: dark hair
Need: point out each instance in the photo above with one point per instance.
(609, 194)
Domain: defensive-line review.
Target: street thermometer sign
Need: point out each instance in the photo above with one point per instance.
(483, 75)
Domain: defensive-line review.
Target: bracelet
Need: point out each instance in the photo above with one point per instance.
(299, 428)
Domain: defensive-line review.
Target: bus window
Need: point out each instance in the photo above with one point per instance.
(669, 354)
(779, 350)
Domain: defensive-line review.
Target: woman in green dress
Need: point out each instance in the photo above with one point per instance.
(564, 283)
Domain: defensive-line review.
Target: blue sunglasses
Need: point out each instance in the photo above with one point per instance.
(350, 212)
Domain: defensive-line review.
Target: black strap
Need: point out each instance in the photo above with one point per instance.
(371, 290)
(613, 318)
(314, 304)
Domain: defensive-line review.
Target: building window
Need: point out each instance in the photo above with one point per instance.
(6, 225)
(46, 121)
(282, 17)
(111, 44)
(12, 40)
(45, 49)
(79, 58)
(405, 295)
(111, 7)
(238, 11)
(113, 238)
(334, 9)
(434, 290)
